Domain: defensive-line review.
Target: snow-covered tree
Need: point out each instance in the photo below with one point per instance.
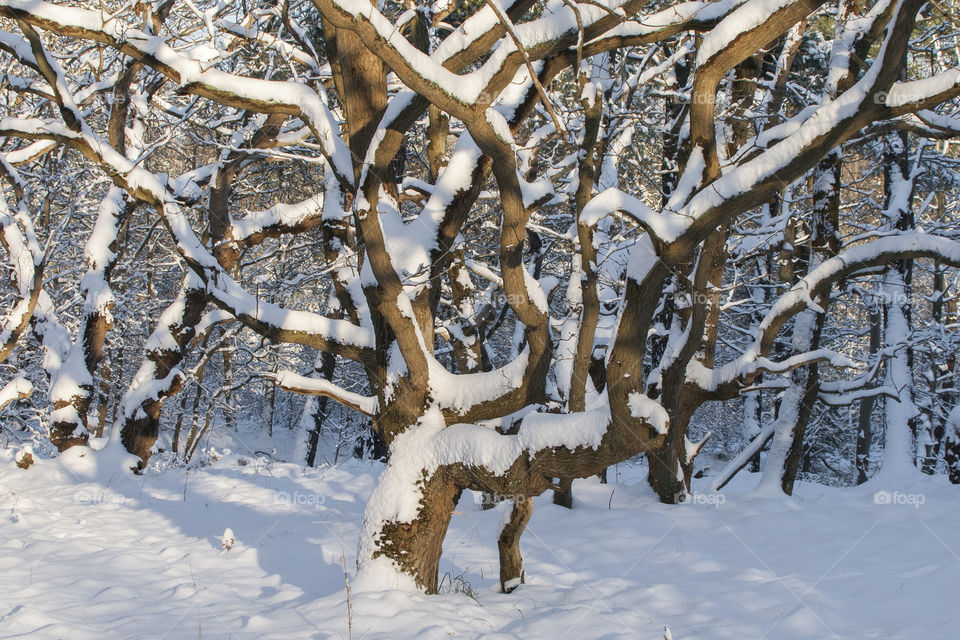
(526, 225)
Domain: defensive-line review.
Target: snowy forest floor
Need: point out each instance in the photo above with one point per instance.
(88, 552)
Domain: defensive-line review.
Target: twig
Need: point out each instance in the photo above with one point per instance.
(346, 581)
(508, 25)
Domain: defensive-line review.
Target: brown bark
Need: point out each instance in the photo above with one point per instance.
(437, 132)
(469, 350)
(141, 425)
(670, 467)
(359, 57)
(416, 546)
(64, 435)
(590, 305)
(590, 301)
(508, 544)
(951, 453)
(327, 366)
(98, 323)
(865, 418)
(811, 381)
(563, 494)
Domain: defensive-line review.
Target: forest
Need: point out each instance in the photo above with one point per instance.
(449, 257)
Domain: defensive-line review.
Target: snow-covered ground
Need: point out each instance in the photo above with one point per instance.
(88, 552)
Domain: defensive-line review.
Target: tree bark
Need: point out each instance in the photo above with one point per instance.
(508, 544)
(865, 419)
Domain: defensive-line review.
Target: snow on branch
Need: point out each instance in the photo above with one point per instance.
(284, 48)
(662, 225)
(277, 220)
(192, 75)
(737, 24)
(463, 392)
(300, 327)
(932, 125)
(28, 276)
(815, 285)
(14, 390)
(291, 381)
(685, 15)
(561, 27)
(746, 184)
(915, 95)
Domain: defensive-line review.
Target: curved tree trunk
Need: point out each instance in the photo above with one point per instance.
(141, 405)
(508, 544)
